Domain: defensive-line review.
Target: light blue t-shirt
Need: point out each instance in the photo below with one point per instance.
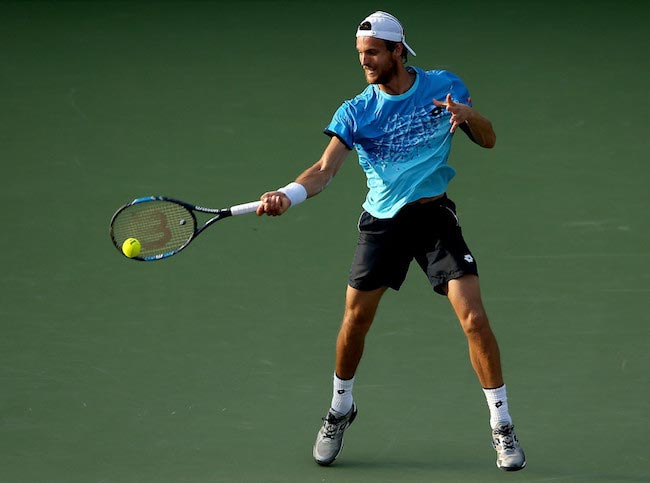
(403, 141)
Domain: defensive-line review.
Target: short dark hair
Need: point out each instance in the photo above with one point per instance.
(390, 45)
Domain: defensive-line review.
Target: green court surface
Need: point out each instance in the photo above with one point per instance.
(215, 365)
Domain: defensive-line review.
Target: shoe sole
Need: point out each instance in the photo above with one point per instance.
(512, 468)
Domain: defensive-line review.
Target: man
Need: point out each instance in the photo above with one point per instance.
(401, 126)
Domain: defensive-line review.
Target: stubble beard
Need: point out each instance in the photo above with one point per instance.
(385, 75)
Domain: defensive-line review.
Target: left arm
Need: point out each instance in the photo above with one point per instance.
(478, 128)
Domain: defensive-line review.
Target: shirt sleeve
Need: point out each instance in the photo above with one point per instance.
(459, 92)
(342, 126)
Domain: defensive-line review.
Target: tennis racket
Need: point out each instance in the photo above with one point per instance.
(165, 226)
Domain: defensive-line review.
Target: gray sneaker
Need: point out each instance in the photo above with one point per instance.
(510, 456)
(329, 440)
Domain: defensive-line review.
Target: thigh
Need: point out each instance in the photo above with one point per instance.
(361, 305)
(464, 294)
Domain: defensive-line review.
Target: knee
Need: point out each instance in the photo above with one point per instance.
(475, 323)
(356, 318)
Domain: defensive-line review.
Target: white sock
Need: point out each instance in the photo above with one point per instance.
(342, 395)
(497, 401)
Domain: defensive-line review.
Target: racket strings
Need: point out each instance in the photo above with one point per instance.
(160, 226)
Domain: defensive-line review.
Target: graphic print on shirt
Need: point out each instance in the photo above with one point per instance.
(407, 137)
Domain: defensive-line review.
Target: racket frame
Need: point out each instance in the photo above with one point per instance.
(219, 214)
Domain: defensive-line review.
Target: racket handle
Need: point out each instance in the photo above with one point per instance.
(245, 208)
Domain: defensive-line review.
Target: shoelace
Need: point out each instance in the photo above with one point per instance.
(331, 426)
(506, 439)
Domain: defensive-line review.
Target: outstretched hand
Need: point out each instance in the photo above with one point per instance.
(460, 113)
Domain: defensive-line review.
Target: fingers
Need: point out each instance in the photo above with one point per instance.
(452, 107)
(448, 103)
(274, 203)
(457, 118)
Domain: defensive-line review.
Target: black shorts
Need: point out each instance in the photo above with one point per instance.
(428, 232)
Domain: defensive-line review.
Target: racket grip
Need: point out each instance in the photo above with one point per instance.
(245, 208)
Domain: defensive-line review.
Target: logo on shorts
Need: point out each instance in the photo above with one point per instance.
(341, 391)
(468, 258)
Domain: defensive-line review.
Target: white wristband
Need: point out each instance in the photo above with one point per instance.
(295, 192)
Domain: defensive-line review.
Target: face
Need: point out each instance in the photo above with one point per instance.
(379, 64)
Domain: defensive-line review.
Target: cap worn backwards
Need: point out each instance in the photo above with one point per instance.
(382, 25)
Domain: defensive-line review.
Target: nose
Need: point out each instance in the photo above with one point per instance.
(363, 59)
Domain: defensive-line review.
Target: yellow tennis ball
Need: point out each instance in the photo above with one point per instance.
(131, 247)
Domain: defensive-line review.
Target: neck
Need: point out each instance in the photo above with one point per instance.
(400, 83)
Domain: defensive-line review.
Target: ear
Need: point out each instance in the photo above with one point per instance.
(399, 49)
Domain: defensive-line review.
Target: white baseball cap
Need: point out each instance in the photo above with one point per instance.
(383, 26)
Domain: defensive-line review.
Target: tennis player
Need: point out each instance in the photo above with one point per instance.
(402, 126)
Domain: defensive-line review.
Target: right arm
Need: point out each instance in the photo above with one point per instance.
(313, 179)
